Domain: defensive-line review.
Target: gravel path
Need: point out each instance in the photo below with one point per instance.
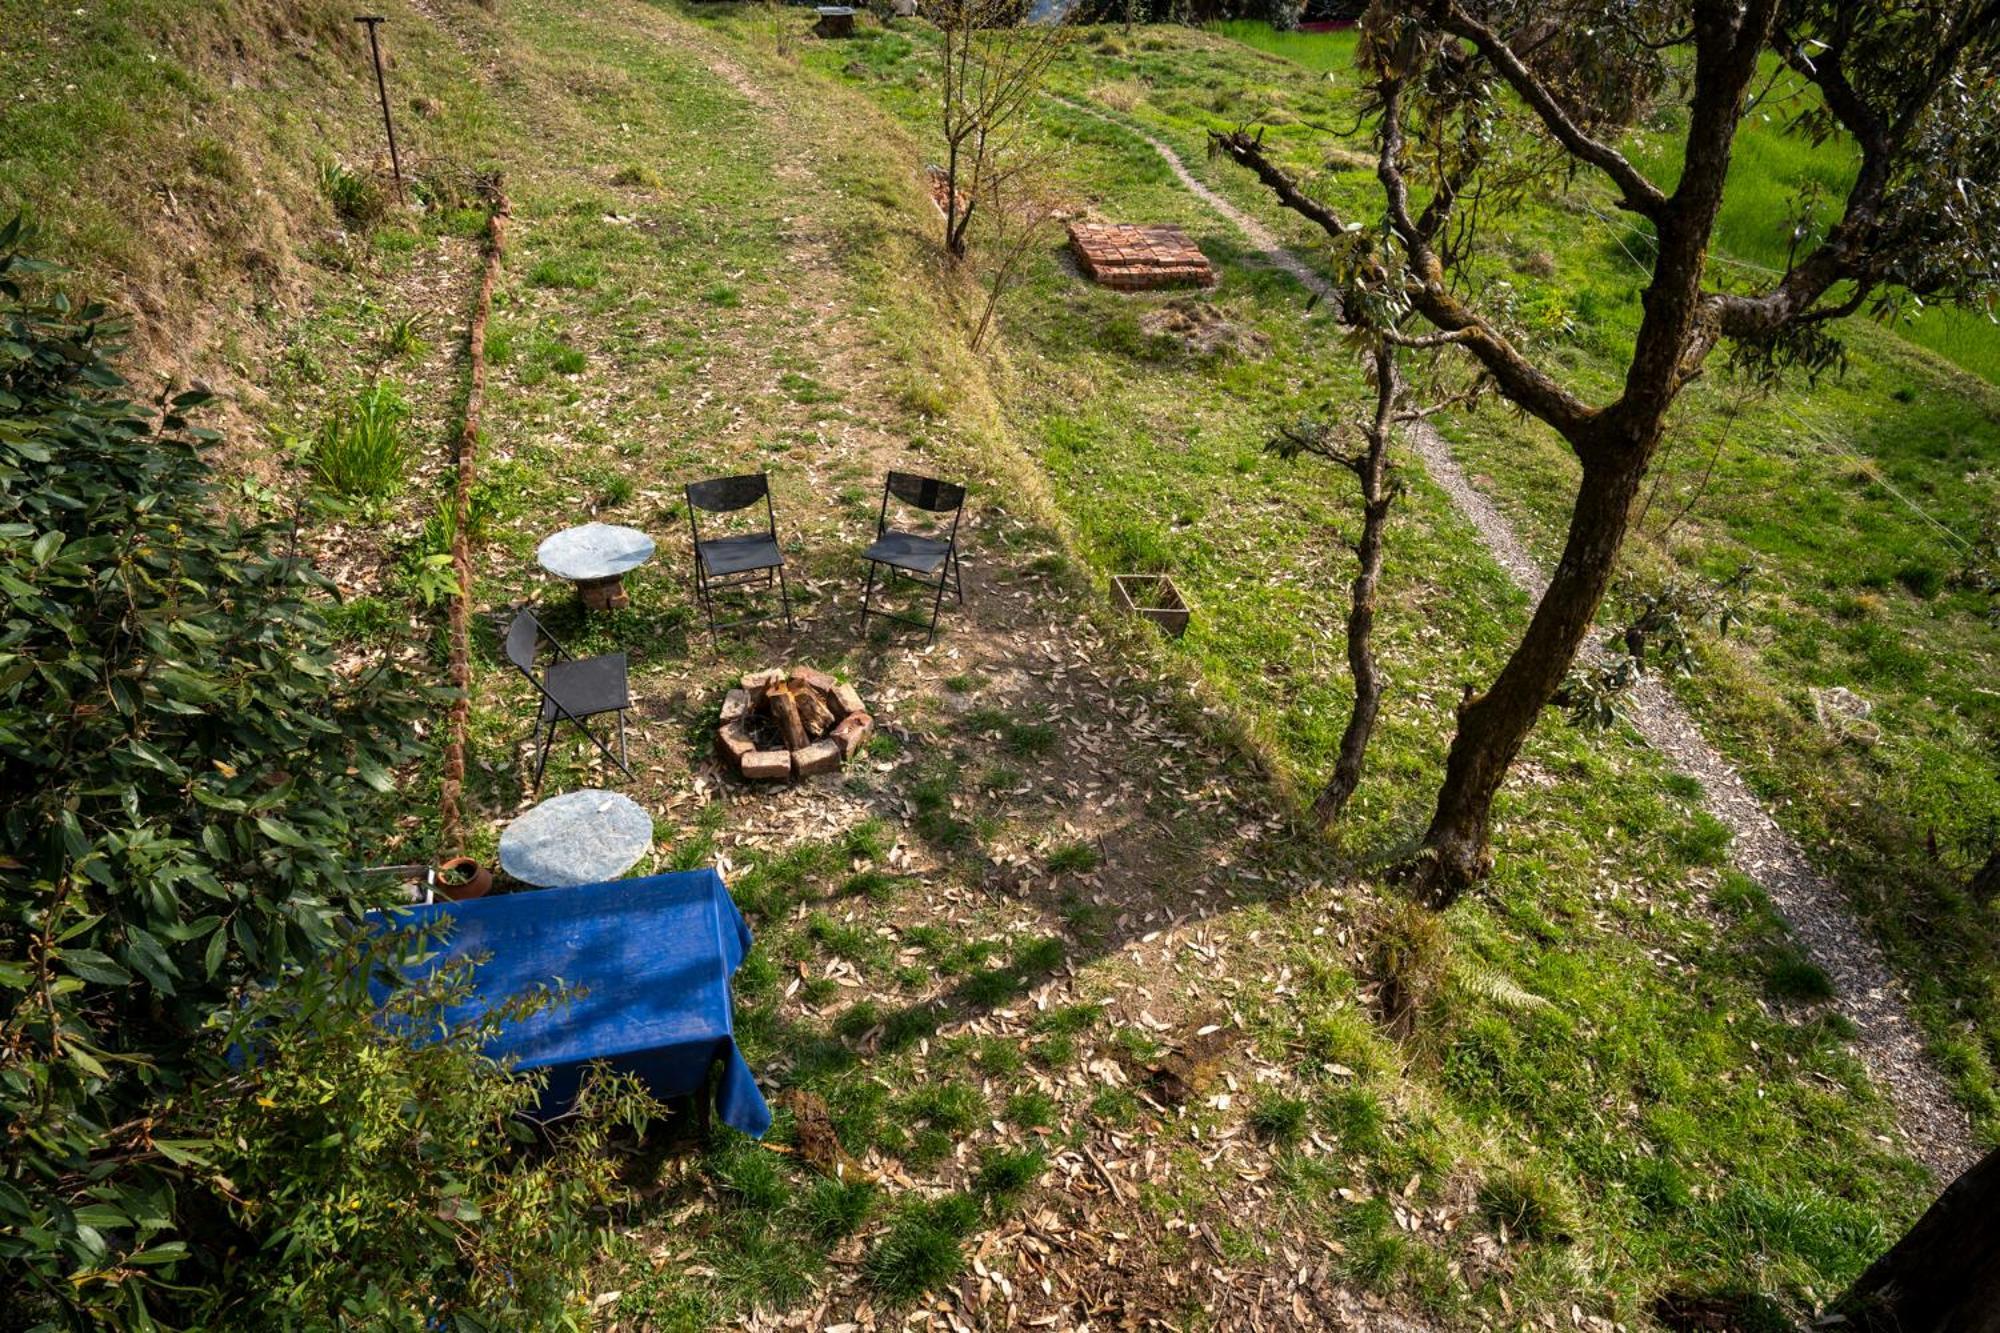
(1934, 1126)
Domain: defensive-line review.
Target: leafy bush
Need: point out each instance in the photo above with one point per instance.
(189, 784)
(402, 1160)
(361, 451)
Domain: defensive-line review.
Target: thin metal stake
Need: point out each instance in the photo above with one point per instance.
(373, 21)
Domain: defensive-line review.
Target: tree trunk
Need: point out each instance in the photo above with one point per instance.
(1943, 1276)
(1373, 471)
(1985, 883)
(1491, 726)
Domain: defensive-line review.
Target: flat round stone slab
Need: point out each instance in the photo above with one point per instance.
(594, 551)
(580, 837)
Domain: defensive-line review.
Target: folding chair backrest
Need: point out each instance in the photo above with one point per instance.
(939, 497)
(720, 495)
(523, 637)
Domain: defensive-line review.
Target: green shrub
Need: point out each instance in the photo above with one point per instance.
(356, 199)
(1279, 1118)
(1793, 976)
(1528, 1204)
(951, 1107)
(194, 787)
(402, 340)
(1079, 857)
(361, 451)
(835, 1209)
(1031, 1110)
(341, 1199)
(1703, 842)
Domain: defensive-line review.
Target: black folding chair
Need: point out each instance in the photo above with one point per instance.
(926, 555)
(573, 689)
(749, 559)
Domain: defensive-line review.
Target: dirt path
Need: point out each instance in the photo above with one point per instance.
(1888, 1042)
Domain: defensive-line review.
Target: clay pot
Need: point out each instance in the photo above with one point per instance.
(461, 878)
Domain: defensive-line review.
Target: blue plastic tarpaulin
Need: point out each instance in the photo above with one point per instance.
(652, 958)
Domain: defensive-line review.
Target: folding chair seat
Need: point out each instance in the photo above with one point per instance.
(735, 560)
(930, 555)
(573, 690)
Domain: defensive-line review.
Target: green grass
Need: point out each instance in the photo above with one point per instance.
(172, 162)
(1681, 1112)
(1158, 461)
(923, 1248)
(362, 451)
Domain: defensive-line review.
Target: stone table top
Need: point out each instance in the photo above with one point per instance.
(594, 551)
(580, 837)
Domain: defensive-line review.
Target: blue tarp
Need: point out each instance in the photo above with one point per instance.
(653, 956)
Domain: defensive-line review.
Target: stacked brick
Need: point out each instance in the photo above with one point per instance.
(781, 725)
(1133, 258)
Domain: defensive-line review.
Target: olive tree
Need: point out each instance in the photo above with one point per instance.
(1472, 100)
(991, 63)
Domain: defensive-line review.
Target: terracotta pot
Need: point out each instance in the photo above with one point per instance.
(461, 878)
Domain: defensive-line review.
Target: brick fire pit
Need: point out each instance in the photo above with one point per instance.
(783, 724)
(1134, 259)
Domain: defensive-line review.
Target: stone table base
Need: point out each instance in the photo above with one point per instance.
(603, 594)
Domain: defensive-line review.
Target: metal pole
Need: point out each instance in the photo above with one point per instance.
(373, 21)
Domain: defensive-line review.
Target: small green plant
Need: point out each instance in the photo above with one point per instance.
(361, 452)
(1278, 1117)
(1031, 738)
(751, 1175)
(835, 1209)
(355, 198)
(564, 271)
(637, 176)
(1704, 841)
(1031, 1110)
(1795, 977)
(1528, 1204)
(922, 1249)
(1005, 1174)
(1074, 858)
(362, 620)
(402, 340)
(433, 580)
(951, 1107)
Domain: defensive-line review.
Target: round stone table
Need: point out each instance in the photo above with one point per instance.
(596, 557)
(580, 837)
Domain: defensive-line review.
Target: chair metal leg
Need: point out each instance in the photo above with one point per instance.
(785, 595)
(622, 760)
(707, 602)
(957, 577)
(867, 594)
(542, 760)
(937, 604)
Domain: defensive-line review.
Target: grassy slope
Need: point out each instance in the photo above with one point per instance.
(173, 153)
(1632, 1087)
(1853, 498)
